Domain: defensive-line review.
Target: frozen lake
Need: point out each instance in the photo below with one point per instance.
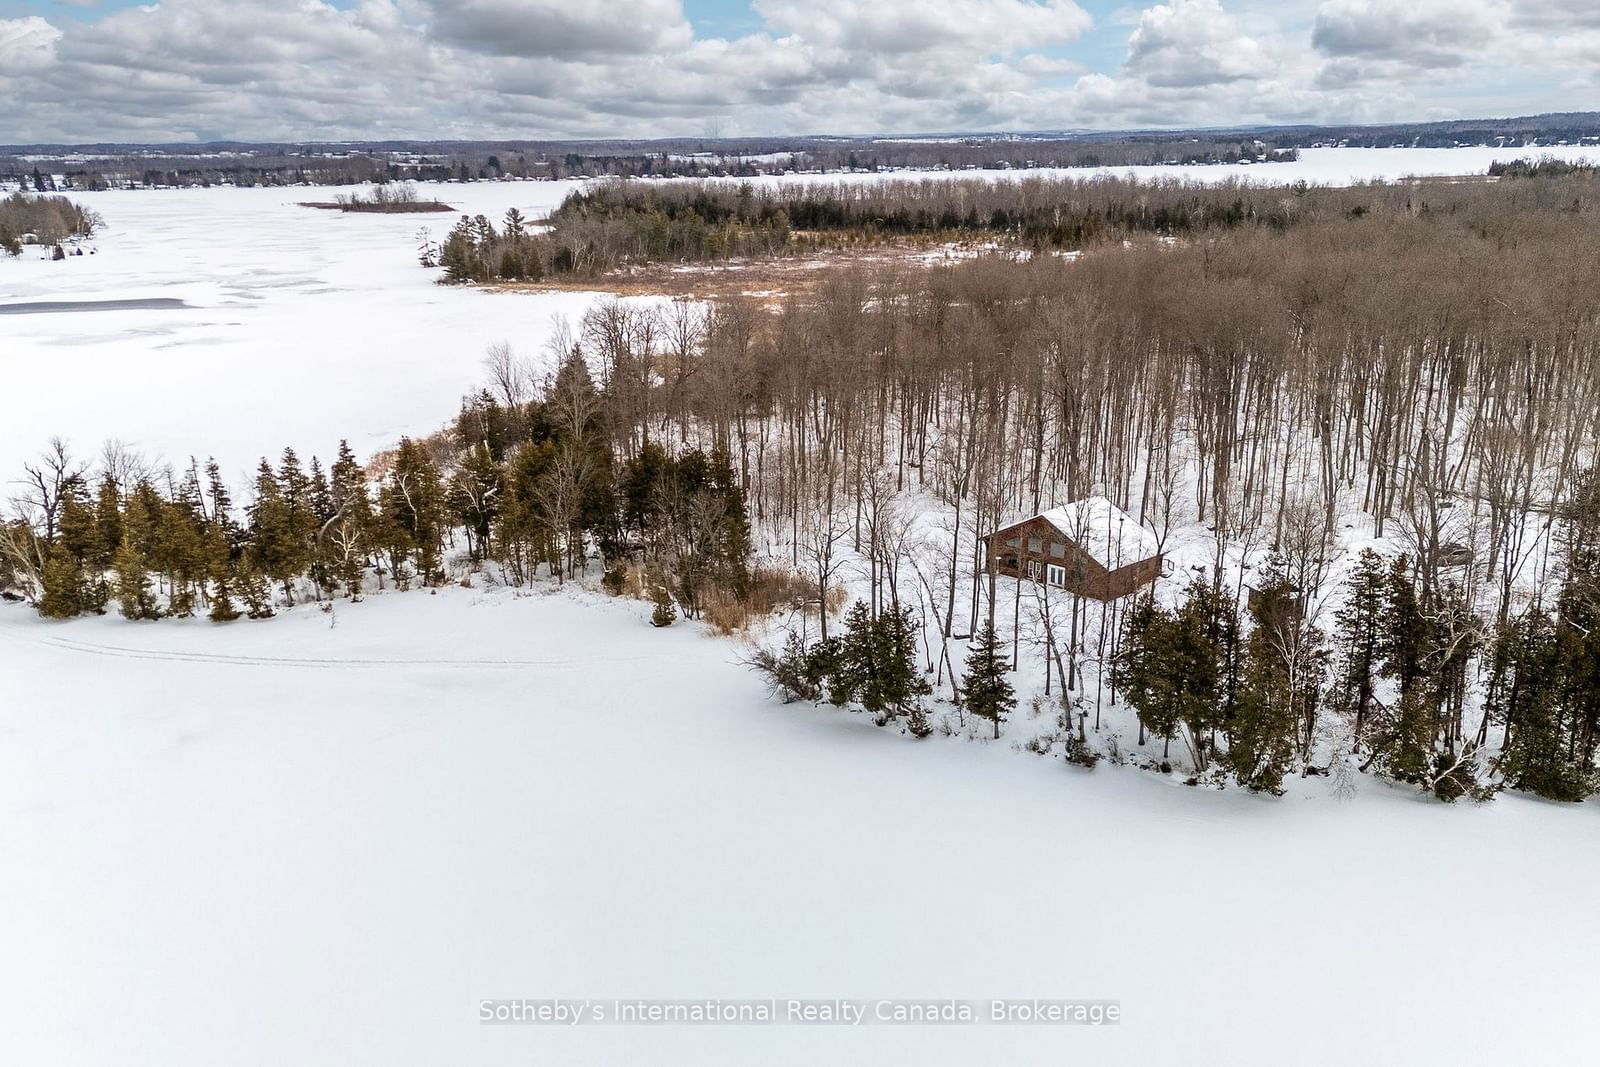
(342, 839)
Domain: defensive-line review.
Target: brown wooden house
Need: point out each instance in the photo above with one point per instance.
(1090, 547)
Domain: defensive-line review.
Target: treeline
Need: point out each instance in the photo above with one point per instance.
(1542, 167)
(617, 224)
(45, 220)
(114, 166)
(1246, 690)
(989, 153)
(517, 484)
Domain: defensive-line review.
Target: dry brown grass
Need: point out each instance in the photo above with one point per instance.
(771, 279)
(771, 590)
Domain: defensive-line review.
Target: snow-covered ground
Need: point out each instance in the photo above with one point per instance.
(286, 842)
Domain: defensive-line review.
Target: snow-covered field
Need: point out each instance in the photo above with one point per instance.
(283, 842)
(325, 839)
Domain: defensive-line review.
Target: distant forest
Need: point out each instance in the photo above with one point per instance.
(631, 223)
(328, 165)
(53, 168)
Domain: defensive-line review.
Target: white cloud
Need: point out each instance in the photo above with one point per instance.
(892, 27)
(561, 28)
(1419, 34)
(295, 69)
(1189, 43)
(26, 45)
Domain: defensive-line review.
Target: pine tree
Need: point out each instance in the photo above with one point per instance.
(1543, 751)
(664, 614)
(474, 498)
(63, 595)
(851, 677)
(219, 538)
(322, 514)
(1402, 742)
(272, 549)
(299, 515)
(350, 535)
(135, 598)
(1143, 670)
(897, 683)
(179, 537)
(1262, 732)
(107, 522)
(254, 590)
(1204, 665)
(77, 531)
(1358, 637)
(985, 690)
(413, 509)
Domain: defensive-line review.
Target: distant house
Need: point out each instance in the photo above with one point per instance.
(1090, 547)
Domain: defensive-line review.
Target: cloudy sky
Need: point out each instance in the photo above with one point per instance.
(114, 70)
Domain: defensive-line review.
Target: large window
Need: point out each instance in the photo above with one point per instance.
(1035, 545)
(1058, 550)
(1058, 575)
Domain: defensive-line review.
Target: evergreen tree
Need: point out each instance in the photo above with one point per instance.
(1358, 637)
(135, 598)
(1143, 669)
(1540, 743)
(1402, 742)
(664, 614)
(348, 539)
(851, 676)
(107, 522)
(78, 532)
(273, 552)
(322, 516)
(985, 690)
(218, 548)
(1204, 665)
(897, 683)
(180, 550)
(474, 498)
(254, 590)
(413, 511)
(63, 595)
(1261, 734)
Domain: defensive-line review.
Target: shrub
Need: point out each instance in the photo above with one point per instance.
(664, 614)
(615, 580)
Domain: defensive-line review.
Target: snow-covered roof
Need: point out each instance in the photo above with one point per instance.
(1107, 534)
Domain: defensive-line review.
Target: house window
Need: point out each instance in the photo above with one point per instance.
(1034, 569)
(1058, 550)
(1013, 542)
(1035, 544)
(1058, 575)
